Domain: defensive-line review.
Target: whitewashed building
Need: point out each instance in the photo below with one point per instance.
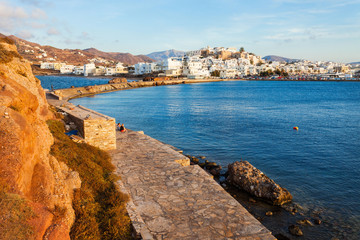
(89, 69)
(144, 68)
(230, 73)
(78, 70)
(47, 65)
(120, 68)
(109, 71)
(67, 69)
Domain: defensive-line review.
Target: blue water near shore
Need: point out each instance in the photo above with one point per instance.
(59, 82)
(254, 120)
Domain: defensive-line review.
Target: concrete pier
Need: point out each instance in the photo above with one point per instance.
(171, 199)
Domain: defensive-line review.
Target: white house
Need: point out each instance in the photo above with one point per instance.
(143, 68)
(99, 71)
(120, 68)
(109, 71)
(78, 70)
(47, 65)
(67, 69)
(89, 69)
(173, 63)
(229, 73)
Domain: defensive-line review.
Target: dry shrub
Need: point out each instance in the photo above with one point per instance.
(6, 55)
(99, 205)
(15, 214)
(6, 40)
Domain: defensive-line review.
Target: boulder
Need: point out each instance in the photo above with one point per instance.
(295, 230)
(250, 179)
(118, 80)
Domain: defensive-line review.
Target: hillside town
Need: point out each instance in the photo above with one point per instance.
(212, 62)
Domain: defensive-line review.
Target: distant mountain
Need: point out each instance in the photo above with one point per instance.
(279, 59)
(36, 53)
(122, 57)
(354, 63)
(158, 56)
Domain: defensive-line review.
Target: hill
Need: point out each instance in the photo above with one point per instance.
(122, 57)
(36, 53)
(279, 59)
(166, 54)
(354, 63)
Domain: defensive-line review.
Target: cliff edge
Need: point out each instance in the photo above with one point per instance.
(35, 189)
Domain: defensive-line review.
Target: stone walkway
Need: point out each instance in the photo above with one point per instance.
(172, 200)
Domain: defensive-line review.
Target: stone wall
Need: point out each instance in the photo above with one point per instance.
(100, 133)
(97, 129)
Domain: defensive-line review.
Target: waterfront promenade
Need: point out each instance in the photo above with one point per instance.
(171, 199)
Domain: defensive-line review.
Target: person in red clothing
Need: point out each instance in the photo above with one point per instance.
(122, 128)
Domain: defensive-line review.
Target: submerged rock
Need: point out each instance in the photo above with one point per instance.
(269, 213)
(295, 230)
(250, 179)
(317, 221)
(305, 222)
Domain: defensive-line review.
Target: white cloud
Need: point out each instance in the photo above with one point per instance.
(11, 12)
(24, 34)
(72, 42)
(52, 31)
(293, 34)
(15, 19)
(37, 13)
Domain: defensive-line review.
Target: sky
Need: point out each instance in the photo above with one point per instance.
(317, 30)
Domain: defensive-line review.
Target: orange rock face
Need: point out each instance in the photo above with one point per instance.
(27, 168)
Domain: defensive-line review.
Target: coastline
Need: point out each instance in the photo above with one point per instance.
(141, 77)
(285, 215)
(159, 173)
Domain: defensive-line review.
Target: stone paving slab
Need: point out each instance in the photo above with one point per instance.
(172, 200)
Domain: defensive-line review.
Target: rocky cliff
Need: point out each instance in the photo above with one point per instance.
(29, 174)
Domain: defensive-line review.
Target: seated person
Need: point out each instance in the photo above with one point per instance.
(122, 128)
(118, 126)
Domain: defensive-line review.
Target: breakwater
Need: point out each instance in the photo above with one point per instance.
(71, 93)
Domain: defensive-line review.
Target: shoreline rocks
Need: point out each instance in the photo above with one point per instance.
(250, 179)
(117, 80)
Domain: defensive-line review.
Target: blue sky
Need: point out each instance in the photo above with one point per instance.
(314, 30)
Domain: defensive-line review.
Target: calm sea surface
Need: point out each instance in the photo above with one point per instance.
(254, 120)
(67, 81)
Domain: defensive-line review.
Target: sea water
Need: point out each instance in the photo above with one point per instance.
(58, 82)
(253, 120)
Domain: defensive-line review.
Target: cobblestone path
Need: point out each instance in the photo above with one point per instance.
(172, 200)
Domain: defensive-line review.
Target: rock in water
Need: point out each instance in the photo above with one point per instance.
(250, 179)
(295, 230)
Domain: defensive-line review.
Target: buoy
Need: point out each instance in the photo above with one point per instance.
(296, 128)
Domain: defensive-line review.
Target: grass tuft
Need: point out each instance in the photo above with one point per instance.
(5, 55)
